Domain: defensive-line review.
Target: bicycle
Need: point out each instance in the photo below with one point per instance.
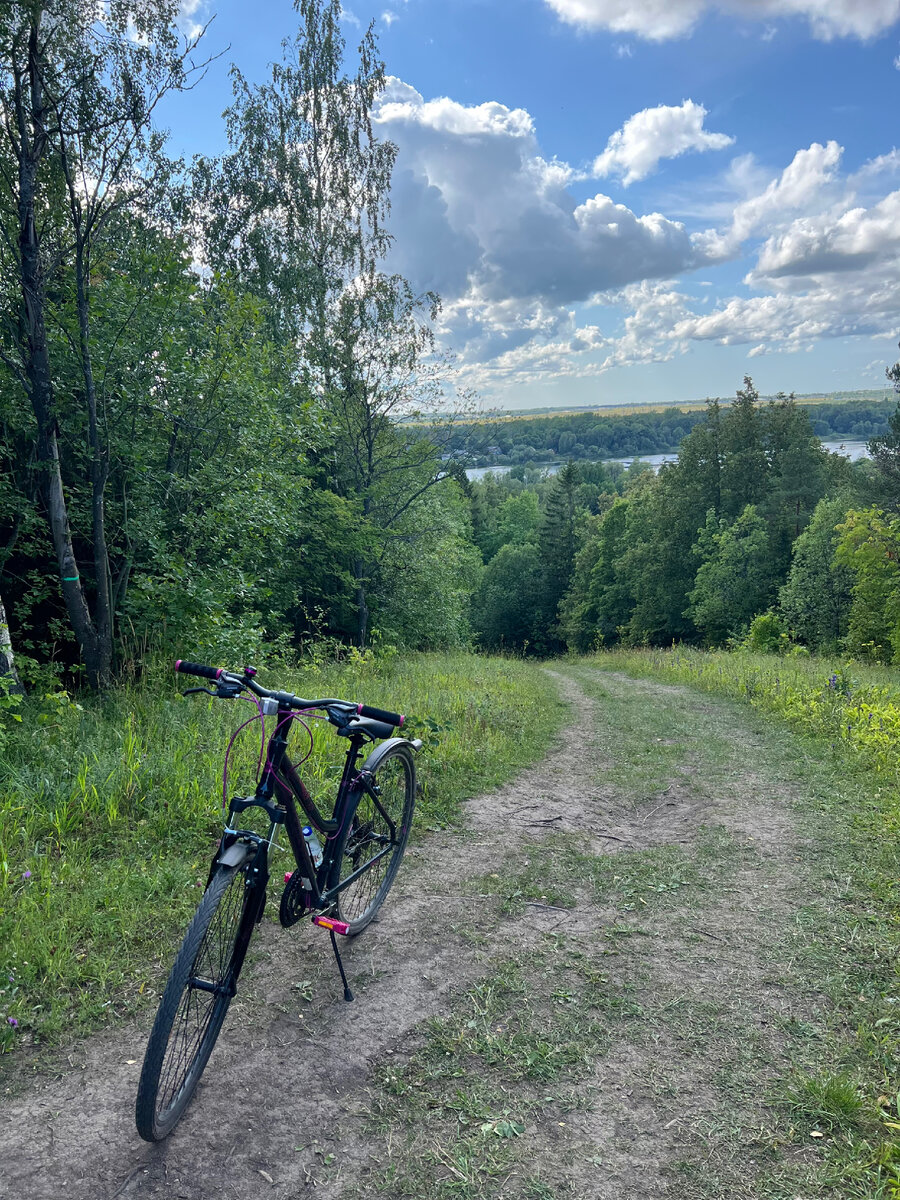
(341, 885)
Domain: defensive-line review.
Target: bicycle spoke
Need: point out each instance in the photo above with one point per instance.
(373, 846)
(198, 1010)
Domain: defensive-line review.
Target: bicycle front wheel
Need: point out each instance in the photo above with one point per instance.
(374, 840)
(195, 1002)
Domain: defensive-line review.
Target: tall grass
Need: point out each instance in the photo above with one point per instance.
(853, 707)
(109, 811)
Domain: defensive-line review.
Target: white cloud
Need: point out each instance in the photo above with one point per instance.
(808, 182)
(634, 151)
(389, 17)
(526, 267)
(492, 215)
(659, 20)
(187, 10)
(656, 310)
(819, 246)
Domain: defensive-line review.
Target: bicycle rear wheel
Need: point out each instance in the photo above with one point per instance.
(376, 835)
(195, 1001)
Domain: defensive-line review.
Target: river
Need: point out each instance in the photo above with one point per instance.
(850, 449)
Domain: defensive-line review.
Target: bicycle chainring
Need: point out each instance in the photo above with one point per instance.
(295, 901)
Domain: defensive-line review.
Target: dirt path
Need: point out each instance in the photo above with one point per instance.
(287, 1099)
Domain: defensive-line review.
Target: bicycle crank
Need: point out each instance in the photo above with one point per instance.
(295, 899)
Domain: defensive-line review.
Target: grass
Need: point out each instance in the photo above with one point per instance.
(467, 1113)
(639, 881)
(833, 1070)
(109, 810)
(852, 709)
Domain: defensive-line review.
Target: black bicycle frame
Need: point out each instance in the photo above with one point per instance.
(278, 792)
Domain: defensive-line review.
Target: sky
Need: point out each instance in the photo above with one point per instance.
(627, 201)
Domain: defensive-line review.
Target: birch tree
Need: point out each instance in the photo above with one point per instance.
(78, 88)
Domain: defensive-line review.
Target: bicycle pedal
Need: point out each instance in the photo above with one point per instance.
(333, 924)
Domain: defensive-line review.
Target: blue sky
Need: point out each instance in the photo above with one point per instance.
(629, 200)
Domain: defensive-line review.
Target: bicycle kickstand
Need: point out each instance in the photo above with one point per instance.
(334, 927)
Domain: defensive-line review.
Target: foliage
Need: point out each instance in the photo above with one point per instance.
(505, 602)
(642, 430)
(766, 634)
(297, 205)
(78, 89)
(734, 579)
(815, 599)
(244, 478)
(701, 548)
(869, 545)
(427, 574)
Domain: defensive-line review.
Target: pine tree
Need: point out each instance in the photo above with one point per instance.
(745, 466)
(557, 545)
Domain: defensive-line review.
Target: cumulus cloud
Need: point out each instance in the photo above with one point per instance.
(832, 272)
(188, 11)
(538, 281)
(810, 179)
(496, 218)
(634, 151)
(659, 20)
(858, 239)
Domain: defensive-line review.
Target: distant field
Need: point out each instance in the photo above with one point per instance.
(621, 410)
(624, 410)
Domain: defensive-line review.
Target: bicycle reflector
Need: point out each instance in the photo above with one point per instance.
(340, 927)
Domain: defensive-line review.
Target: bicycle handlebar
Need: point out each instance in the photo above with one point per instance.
(245, 679)
(189, 668)
(380, 714)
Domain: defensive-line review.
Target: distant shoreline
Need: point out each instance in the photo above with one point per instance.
(853, 449)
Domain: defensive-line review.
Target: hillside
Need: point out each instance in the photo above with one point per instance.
(658, 962)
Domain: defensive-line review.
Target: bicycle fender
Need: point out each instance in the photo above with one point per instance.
(373, 762)
(236, 854)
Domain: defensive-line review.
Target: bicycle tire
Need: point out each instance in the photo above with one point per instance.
(189, 1018)
(368, 833)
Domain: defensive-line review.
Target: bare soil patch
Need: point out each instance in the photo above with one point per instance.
(287, 1100)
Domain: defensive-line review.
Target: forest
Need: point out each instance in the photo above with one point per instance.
(226, 429)
(597, 435)
(756, 536)
(203, 364)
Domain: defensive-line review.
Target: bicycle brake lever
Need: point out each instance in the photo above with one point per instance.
(193, 691)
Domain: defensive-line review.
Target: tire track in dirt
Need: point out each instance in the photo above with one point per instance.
(288, 1081)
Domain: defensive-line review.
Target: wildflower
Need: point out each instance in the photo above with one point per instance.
(833, 682)
(12, 1021)
(26, 874)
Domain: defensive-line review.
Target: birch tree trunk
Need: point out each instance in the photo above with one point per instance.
(7, 661)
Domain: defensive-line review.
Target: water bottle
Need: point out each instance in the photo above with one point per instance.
(315, 848)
